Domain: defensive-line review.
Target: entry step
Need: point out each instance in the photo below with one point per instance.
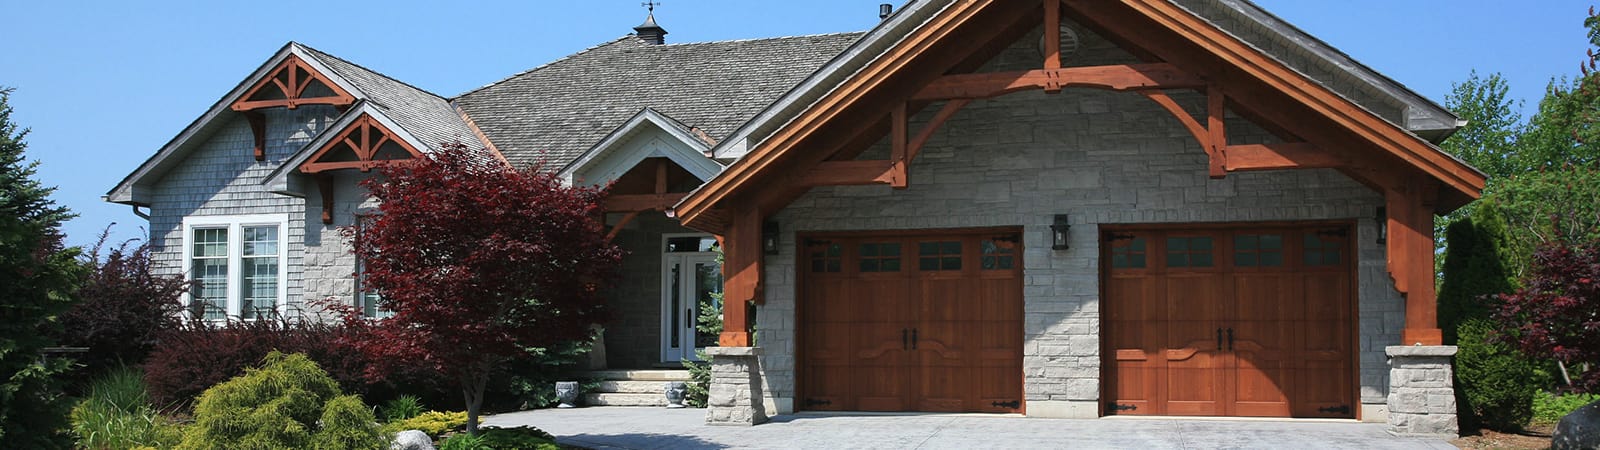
(624, 399)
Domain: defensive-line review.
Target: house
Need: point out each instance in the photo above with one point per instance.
(1060, 208)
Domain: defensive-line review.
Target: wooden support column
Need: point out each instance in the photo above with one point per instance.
(258, 128)
(1217, 145)
(1411, 258)
(1052, 27)
(741, 269)
(899, 155)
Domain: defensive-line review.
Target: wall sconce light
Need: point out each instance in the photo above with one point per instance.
(769, 237)
(1059, 232)
(1383, 224)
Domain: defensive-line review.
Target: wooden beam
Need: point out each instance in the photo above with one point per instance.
(293, 90)
(950, 108)
(741, 271)
(1411, 257)
(325, 189)
(1293, 155)
(258, 129)
(642, 202)
(618, 227)
(848, 173)
(661, 176)
(898, 154)
(1217, 143)
(1123, 77)
(1052, 27)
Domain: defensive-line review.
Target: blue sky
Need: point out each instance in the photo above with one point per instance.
(103, 85)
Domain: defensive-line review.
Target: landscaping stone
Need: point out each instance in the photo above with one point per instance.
(411, 440)
(1578, 430)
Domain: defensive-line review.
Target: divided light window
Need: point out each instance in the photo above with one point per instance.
(237, 265)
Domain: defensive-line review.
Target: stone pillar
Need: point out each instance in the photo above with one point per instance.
(735, 392)
(1422, 400)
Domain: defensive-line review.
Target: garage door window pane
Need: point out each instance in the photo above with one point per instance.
(942, 255)
(1323, 251)
(1189, 252)
(880, 257)
(998, 257)
(826, 258)
(1128, 254)
(1258, 250)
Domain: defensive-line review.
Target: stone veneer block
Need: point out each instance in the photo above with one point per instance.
(1421, 394)
(735, 396)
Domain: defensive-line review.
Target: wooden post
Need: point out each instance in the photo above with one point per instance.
(741, 269)
(1410, 249)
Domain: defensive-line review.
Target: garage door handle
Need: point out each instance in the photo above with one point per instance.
(905, 338)
(1219, 339)
(1230, 339)
(913, 338)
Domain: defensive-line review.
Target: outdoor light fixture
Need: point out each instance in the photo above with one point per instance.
(769, 237)
(1058, 232)
(1383, 224)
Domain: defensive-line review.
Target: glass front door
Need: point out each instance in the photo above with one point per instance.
(692, 282)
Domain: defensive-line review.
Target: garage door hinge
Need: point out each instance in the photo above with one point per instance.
(814, 402)
(1341, 409)
(1012, 404)
(1114, 407)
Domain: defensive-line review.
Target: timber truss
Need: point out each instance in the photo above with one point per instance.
(291, 84)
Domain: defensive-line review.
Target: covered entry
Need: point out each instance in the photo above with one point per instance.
(1229, 321)
(919, 321)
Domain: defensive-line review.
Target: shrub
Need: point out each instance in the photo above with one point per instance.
(1498, 381)
(198, 355)
(464, 442)
(117, 415)
(1549, 408)
(348, 424)
(434, 423)
(1553, 315)
(518, 438)
(279, 405)
(530, 380)
(401, 408)
(123, 306)
(699, 385)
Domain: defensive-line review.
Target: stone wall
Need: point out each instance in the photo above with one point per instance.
(1100, 158)
(633, 338)
(330, 266)
(1422, 399)
(221, 178)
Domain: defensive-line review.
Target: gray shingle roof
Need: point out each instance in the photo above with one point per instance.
(425, 115)
(554, 112)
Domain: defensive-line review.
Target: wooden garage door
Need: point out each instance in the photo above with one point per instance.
(1229, 322)
(916, 322)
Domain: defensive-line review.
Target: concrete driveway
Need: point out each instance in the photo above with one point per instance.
(660, 428)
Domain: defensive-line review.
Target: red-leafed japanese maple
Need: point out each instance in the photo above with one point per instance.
(478, 262)
(1557, 314)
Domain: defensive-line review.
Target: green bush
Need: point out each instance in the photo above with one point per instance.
(1549, 408)
(402, 408)
(699, 385)
(464, 442)
(117, 415)
(1498, 381)
(434, 423)
(518, 438)
(284, 404)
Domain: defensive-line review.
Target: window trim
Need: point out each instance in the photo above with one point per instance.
(235, 225)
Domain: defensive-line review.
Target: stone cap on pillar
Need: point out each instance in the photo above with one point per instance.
(1420, 350)
(756, 351)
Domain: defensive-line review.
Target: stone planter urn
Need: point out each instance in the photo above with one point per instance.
(676, 390)
(567, 394)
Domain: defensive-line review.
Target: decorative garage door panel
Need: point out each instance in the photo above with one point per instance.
(927, 322)
(1230, 322)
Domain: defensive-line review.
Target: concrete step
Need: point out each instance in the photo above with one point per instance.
(624, 399)
(631, 387)
(640, 375)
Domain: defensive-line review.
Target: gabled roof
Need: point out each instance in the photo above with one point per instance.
(427, 119)
(278, 180)
(553, 113)
(686, 150)
(767, 139)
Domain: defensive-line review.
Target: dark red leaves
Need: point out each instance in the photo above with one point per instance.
(1555, 315)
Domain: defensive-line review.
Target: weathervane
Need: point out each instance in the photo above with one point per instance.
(651, 5)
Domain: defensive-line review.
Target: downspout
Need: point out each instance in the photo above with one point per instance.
(142, 215)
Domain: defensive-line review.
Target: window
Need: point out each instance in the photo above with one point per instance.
(880, 257)
(237, 265)
(940, 255)
(1189, 251)
(1127, 251)
(998, 255)
(1323, 249)
(1258, 250)
(367, 299)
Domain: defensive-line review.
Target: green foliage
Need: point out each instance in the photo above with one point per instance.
(1566, 129)
(434, 423)
(1474, 268)
(1549, 408)
(464, 442)
(279, 405)
(347, 423)
(533, 378)
(1558, 205)
(1498, 381)
(1489, 139)
(402, 408)
(517, 438)
(117, 415)
(38, 276)
(699, 385)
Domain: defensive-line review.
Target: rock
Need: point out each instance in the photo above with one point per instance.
(1579, 430)
(411, 440)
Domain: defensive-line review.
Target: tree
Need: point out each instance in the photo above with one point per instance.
(1566, 129)
(37, 277)
(478, 262)
(123, 307)
(1489, 140)
(1557, 312)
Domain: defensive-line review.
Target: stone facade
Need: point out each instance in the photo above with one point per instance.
(736, 388)
(1422, 398)
(633, 338)
(1100, 158)
(329, 264)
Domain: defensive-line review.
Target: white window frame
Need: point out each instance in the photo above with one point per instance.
(667, 353)
(235, 226)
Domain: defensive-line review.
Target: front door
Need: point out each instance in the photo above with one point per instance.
(692, 282)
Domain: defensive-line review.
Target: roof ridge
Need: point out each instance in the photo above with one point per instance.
(541, 66)
(770, 38)
(358, 66)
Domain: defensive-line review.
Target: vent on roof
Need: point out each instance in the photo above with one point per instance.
(1069, 42)
(649, 31)
(885, 10)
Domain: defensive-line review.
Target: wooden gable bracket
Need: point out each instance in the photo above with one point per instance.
(1226, 158)
(633, 204)
(363, 145)
(288, 86)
